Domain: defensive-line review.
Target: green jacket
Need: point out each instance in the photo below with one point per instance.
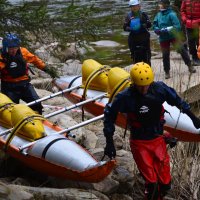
(164, 19)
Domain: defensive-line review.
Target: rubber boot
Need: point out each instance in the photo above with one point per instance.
(167, 75)
(151, 191)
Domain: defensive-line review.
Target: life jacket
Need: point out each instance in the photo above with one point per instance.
(136, 21)
(135, 24)
(15, 66)
(148, 111)
(148, 118)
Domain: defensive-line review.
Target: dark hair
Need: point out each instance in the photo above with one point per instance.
(166, 2)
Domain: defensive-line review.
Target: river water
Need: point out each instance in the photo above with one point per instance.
(106, 53)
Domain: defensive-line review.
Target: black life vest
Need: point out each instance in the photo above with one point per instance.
(148, 110)
(16, 66)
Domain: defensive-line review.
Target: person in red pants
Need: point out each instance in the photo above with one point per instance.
(142, 102)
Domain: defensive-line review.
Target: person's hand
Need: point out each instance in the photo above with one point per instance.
(171, 141)
(195, 120)
(163, 30)
(51, 71)
(157, 31)
(110, 150)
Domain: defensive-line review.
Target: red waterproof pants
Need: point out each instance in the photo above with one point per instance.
(152, 160)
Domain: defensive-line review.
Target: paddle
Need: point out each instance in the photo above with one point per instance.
(53, 95)
(64, 131)
(63, 110)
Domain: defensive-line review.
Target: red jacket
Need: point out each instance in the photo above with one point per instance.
(190, 13)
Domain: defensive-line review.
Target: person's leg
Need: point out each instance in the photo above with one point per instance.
(142, 48)
(184, 54)
(29, 94)
(144, 161)
(165, 48)
(11, 90)
(162, 167)
(131, 47)
(192, 36)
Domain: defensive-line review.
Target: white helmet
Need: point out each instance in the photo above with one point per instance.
(134, 2)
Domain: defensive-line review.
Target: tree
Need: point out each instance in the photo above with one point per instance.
(34, 22)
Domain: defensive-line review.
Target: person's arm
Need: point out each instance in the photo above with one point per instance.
(110, 114)
(145, 21)
(173, 99)
(33, 59)
(156, 27)
(175, 22)
(183, 12)
(126, 25)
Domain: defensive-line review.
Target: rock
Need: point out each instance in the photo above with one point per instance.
(71, 67)
(125, 159)
(107, 186)
(90, 140)
(11, 192)
(121, 197)
(54, 194)
(106, 43)
(122, 175)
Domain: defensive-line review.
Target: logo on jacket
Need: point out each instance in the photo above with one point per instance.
(144, 109)
(13, 64)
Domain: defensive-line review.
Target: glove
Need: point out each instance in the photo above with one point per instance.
(110, 147)
(157, 31)
(171, 141)
(51, 71)
(163, 30)
(195, 120)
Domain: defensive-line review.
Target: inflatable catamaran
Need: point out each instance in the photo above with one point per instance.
(97, 79)
(45, 147)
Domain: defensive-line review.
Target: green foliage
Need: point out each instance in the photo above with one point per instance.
(34, 22)
(28, 20)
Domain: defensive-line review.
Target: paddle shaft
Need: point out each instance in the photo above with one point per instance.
(52, 95)
(43, 99)
(65, 130)
(63, 110)
(75, 106)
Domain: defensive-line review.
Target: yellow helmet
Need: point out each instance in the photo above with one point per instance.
(141, 74)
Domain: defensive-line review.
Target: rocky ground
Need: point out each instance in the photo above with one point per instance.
(125, 182)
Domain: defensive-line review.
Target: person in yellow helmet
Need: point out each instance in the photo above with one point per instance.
(143, 102)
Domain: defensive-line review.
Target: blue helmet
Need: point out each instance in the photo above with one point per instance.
(10, 40)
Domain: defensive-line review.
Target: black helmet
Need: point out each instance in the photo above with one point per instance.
(166, 2)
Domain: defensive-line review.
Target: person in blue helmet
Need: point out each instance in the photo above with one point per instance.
(167, 26)
(137, 24)
(15, 81)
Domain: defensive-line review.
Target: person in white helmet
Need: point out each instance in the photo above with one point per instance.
(137, 23)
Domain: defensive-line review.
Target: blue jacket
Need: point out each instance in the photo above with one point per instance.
(145, 113)
(165, 19)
